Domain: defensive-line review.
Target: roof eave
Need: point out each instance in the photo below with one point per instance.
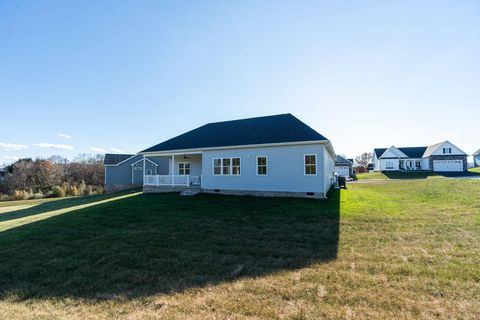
(200, 150)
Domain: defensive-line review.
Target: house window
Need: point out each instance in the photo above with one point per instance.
(389, 165)
(148, 172)
(418, 164)
(226, 166)
(217, 167)
(236, 166)
(447, 150)
(310, 164)
(261, 166)
(184, 168)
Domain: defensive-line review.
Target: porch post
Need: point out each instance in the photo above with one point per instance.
(144, 171)
(172, 171)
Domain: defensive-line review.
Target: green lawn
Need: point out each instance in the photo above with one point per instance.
(396, 175)
(393, 249)
(475, 170)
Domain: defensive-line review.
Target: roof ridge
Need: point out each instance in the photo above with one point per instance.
(251, 118)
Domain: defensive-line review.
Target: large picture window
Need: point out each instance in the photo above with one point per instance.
(310, 164)
(226, 166)
(261, 166)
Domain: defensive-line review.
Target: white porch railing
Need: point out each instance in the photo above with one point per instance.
(170, 180)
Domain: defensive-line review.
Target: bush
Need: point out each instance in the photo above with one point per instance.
(57, 192)
(38, 195)
(82, 188)
(20, 195)
(73, 191)
(4, 197)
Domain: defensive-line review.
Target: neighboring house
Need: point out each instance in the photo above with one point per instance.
(267, 156)
(476, 158)
(343, 167)
(123, 171)
(440, 157)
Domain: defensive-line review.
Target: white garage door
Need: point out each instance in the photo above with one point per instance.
(447, 165)
(343, 171)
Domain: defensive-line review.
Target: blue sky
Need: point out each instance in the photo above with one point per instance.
(124, 75)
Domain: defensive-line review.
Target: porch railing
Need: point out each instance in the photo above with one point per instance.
(170, 180)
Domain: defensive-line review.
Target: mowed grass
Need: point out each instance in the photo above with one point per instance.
(475, 170)
(396, 175)
(392, 249)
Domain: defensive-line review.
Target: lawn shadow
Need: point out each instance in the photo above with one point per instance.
(162, 243)
(57, 204)
(409, 175)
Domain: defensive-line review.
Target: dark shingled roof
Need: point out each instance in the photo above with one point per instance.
(342, 160)
(411, 152)
(114, 158)
(261, 130)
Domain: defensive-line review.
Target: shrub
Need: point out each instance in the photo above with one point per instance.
(4, 197)
(20, 195)
(82, 188)
(73, 191)
(57, 192)
(38, 195)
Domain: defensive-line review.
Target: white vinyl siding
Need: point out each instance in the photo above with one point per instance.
(285, 169)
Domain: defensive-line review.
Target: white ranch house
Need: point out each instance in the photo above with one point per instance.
(440, 157)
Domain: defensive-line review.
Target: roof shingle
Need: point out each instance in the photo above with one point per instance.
(262, 130)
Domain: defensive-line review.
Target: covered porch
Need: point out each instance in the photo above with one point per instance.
(184, 171)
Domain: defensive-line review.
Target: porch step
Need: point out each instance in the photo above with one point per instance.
(190, 192)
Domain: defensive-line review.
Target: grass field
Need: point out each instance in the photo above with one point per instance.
(392, 249)
(475, 170)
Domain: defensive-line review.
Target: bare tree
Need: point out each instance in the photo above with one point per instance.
(364, 159)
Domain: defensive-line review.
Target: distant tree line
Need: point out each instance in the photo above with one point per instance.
(52, 177)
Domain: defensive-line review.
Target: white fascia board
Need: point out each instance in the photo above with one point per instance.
(200, 150)
(115, 165)
(402, 155)
(145, 159)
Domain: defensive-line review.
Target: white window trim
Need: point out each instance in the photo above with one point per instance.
(266, 166)
(305, 165)
(148, 174)
(231, 167)
(184, 162)
(213, 167)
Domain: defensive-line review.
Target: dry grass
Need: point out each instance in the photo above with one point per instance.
(389, 250)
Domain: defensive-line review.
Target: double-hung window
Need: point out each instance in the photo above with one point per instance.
(226, 166)
(217, 167)
(389, 165)
(235, 166)
(310, 164)
(261, 166)
(184, 168)
(226, 170)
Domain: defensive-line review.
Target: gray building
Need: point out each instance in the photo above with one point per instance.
(343, 167)
(476, 158)
(266, 156)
